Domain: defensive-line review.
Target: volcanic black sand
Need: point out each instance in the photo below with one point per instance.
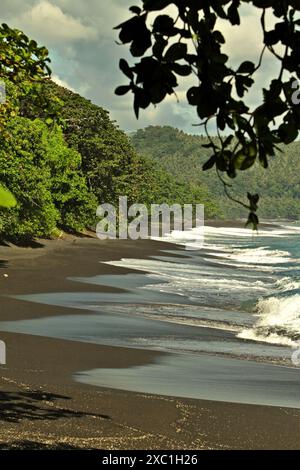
(42, 407)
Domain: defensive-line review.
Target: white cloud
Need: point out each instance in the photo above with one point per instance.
(243, 42)
(62, 83)
(48, 23)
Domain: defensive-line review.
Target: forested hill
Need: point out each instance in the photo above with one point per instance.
(61, 168)
(112, 165)
(182, 155)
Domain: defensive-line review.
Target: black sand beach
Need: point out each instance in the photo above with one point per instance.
(41, 406)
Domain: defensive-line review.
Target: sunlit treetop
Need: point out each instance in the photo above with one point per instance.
(21, 57)
(23, 69)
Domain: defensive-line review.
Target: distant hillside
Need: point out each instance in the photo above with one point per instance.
(183, 156)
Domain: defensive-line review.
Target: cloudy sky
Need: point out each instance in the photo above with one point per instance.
(82, 43)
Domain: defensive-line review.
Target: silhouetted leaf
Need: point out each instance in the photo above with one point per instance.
(164, 24)
(233, 13)
(183, 70)
(209, 164)
(152, 5)
(246, 67)
(122, 90)
(176, 52)
(135, 10)
(124, 67)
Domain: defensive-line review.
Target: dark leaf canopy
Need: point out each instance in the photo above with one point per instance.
(172, 45)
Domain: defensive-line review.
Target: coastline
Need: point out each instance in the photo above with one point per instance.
(41, 405)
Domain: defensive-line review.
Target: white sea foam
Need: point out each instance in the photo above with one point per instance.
(190, 276)
(278, 321)
(286, 284)
(270, 339)
(279, 231)
(253, 267)
(198, 283)
(261, 255)
(194, 237)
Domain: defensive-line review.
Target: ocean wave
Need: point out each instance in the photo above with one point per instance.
(197, 282)
(278, 232)
(261, 255)
(267, 337)
(278, 321)
(288, 284)
(188, 314)
(199, 235)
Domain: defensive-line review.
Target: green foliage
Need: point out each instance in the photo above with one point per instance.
(107, 156)
(183, 156)
(21, 58)
(35, 162)
(111, 165)
(23, 66)
(44, 175)
(186, 42)
(7, 199)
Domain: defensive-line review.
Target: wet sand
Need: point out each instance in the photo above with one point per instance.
(41, 405)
